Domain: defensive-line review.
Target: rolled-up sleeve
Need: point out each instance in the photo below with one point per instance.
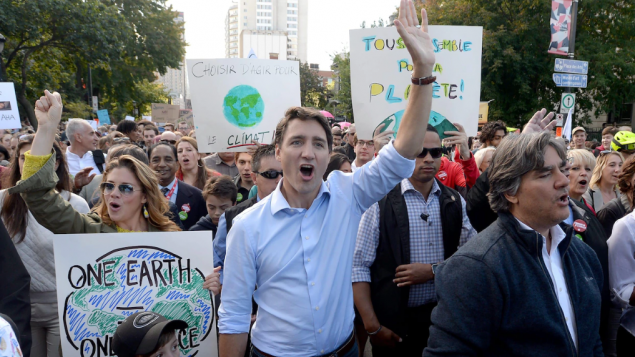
(621, 259)
(373, 181)
(239, 281)
(366, 245)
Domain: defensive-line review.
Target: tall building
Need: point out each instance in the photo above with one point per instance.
(271, 28)
(175, 79)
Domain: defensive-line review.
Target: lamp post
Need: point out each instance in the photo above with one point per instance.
(135, 109)
(2, 41)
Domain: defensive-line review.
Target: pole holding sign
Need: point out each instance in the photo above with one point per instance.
(570, 80)
(571, 66)
(567, 103)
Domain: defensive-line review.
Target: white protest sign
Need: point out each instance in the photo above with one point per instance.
(129, 117)
(9, 114)
(103, 278)
(146, 117)
(238, 100)
(381, 70)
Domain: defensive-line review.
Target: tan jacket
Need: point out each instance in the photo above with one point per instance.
(54, 212)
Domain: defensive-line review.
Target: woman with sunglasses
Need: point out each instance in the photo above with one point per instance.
(130, 198)
(34, 243)
(192, 171)
(603, 185)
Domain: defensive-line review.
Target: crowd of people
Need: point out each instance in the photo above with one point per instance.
(498, 245)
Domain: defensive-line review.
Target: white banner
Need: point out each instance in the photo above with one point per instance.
(238, 100)
(9, 114)
(103, 278)
(381, 69)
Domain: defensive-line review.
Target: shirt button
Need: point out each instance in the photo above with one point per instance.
(312, 283)
(308, 259)
(317, 308)
(322, 351)
(320, 331)
(560, 289)
(307, 237)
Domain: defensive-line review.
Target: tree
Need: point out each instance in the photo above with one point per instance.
(312, 91)
(516, 68)
(342, 102)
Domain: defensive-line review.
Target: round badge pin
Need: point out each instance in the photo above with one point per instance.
(239, 197)
(579, 225)
(183, 215)
(186, 208)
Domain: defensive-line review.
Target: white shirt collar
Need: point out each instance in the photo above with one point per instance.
(69, 152)
(170, 185)
(557, 235)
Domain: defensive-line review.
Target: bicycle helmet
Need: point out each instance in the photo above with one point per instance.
(623, 141)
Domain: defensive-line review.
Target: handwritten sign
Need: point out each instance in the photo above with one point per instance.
(165, 113)
(129, 117)
(9, 114)
(103, 279)
(103, 116)
(381, 71)
(239, 100)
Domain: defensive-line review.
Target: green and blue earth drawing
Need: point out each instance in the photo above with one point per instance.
(437, 120)
(243, 106)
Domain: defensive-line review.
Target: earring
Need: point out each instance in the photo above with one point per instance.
(199, 164)
(145, 212)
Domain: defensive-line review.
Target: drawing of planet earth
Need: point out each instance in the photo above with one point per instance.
(437, 120)
(243, 106)
(134, 279)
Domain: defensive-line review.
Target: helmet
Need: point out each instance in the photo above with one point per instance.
(623, 141)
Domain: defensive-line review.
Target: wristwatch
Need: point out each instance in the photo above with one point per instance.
(434, 268)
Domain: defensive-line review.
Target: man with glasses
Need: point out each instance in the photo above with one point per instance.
(394, 292)
(168, 137)
(364, 152)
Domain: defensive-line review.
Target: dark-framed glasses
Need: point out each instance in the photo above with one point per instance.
(126, 189)
(269, 174)
(171, 142)
(435, 153)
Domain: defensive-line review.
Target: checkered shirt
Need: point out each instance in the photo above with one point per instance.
(426, 238)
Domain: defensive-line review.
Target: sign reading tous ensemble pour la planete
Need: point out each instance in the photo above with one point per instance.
(238, 100)
(381, 70)
(102, 281)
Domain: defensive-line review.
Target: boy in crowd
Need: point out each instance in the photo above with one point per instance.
(147, 334)
(244, 182)
(220, 194)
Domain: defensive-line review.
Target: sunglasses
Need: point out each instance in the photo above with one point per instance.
(125, 189)
(171, 142)
(271, 174)
(434, 152)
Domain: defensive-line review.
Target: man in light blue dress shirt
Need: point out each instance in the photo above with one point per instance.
(297, 244)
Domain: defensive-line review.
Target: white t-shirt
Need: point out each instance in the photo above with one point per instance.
(9, 346)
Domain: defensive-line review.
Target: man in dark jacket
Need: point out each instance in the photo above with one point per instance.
(525, 286)
(15, 287)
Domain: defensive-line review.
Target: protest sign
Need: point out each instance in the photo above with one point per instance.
(146, 117)
(94, 123)
(129, 117)
(239, 100)
(186, 115)
(165, 113)
(9, 114)
(103, 279)
(103, 116)
(381, 70)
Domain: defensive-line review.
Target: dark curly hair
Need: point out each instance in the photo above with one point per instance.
(625, 179)
(489, 131)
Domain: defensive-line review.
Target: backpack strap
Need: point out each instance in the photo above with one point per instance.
(100, 160)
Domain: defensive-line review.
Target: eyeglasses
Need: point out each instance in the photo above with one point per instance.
(365, 143)
(434, 152)
(270, 174)
(126, 189)
(123, 139)
(171, 142)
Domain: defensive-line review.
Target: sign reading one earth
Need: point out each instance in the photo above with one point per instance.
(101, 281)
(237, 100)
(381, 71)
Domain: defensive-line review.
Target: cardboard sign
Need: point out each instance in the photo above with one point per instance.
(187, 116)
(165, 113)
(103, 279)
(103, 116)
(9, 114)
(238, 100)
(381, 71)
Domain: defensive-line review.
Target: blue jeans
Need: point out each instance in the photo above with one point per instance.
(352, 353)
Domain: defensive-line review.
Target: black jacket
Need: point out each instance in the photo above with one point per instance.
(350, 152)
(496, 297)
(477, 204)
(232, 212)
(389, 301)
(204, 224)
(15, 287)
(190, 197)
(611, 212)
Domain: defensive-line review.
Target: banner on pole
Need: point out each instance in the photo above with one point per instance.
(560, 24)
(101, 281)
(238, 100)
(381, 70)
(9, 114)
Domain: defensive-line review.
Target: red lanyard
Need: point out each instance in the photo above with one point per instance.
(169, 195)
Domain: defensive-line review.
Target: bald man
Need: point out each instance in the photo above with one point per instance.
(169, 137)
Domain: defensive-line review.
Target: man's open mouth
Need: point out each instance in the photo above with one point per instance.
(307, 171)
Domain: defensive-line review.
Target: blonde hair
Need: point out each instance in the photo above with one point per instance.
(582, 156)
(602, 161)
(480, 155)
(156, 205)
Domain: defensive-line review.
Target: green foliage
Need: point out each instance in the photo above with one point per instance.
(312, 92)
(342, 105)
(77, 110)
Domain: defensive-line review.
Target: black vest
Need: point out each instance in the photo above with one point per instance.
(389, 301)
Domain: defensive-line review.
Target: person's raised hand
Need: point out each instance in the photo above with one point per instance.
(381, 139)
(385, 337)
(458, 138)
(48, 110)
(416, 38)
(83, 178)
(251, 149)
(212, 281)
(541, 121)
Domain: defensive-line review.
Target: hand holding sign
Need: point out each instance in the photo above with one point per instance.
(417, 40)
(48, 109)
(459, 138)
(382, 139)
